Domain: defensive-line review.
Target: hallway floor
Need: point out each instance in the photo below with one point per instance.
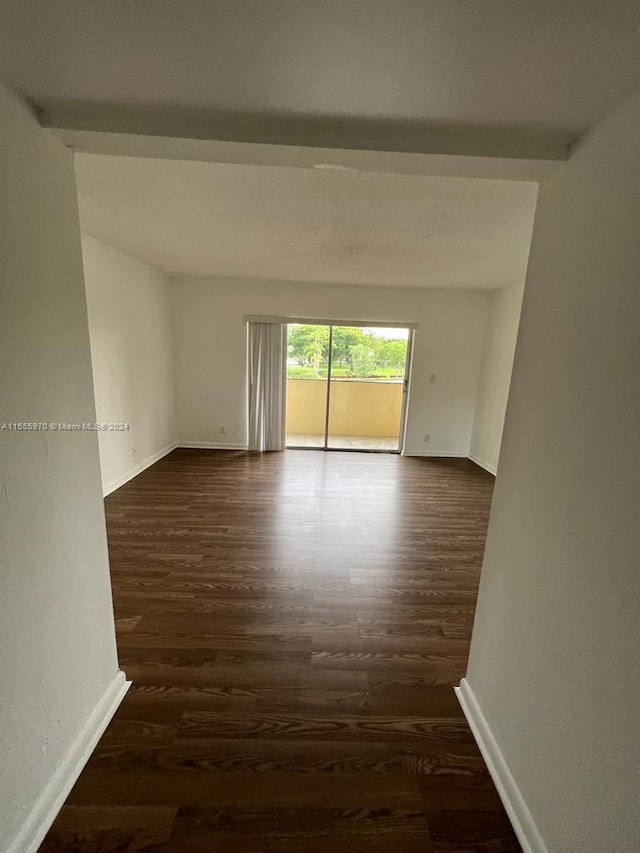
(293, 624)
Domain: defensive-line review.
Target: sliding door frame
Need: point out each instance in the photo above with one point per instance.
(405, 389)
(327, 402)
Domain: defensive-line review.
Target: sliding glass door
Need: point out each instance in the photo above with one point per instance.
(307, 385)
(346, 386)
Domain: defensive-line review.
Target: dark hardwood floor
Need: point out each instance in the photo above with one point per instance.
(293, 624)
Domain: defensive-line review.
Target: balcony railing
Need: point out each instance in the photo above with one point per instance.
(358, 409)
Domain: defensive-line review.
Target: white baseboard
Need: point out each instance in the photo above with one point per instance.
(515, 806)
(210, 445)
(114, 484)
(437, 455)
(37, 824)
(486, 465)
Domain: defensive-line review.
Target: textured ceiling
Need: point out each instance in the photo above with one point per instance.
(309, 225)
(544, 65)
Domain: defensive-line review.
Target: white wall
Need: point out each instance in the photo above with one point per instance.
(495, 375)
(210, 352)
(57, 643)
(129, 305)
(554, 657)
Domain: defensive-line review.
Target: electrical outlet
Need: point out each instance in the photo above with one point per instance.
(223, 429)
(427, 436)
(134, 451)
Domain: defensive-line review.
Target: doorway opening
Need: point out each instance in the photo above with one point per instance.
(347, 386)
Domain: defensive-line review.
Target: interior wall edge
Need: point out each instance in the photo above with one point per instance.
(131, 336)
(515, 804)
(114, 484)
(492, 469)
(51, 800)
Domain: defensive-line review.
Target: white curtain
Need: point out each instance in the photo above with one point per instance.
(267, 386)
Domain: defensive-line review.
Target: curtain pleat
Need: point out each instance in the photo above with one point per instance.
(267, 386)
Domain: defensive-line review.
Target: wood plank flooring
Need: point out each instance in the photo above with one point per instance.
(293, 624)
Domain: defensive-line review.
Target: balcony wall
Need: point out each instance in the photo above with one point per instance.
(356, 407)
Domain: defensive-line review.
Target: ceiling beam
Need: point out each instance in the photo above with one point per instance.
(305, 142)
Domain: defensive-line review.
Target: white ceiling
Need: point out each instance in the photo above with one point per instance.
(501, 81)
(309, 225)
(545, 67)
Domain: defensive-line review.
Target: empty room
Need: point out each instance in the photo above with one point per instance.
(319, 474)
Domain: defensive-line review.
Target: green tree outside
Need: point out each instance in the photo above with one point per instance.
(393, 354)
(363, 360)
(356, 353)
